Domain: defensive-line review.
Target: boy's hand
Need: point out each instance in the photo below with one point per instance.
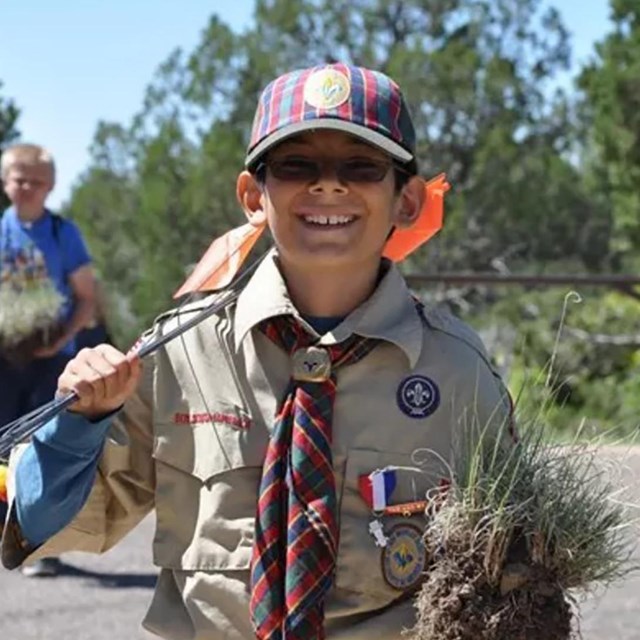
(103, 378)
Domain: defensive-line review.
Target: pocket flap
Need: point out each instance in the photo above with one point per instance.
(210, 447)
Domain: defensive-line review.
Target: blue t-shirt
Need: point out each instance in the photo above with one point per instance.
(63, 253)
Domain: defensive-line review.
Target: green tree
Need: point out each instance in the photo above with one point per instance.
(9, 114)
(611, 112)
(478, 74)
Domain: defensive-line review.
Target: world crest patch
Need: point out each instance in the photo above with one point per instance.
(418, 396)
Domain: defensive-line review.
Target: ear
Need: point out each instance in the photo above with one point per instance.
(410, 202)
(250, 196)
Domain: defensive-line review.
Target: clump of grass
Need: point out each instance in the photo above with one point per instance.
(521, 527)
(28, 311)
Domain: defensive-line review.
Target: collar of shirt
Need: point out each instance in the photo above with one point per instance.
(12, 221)
(12, 215)
(389, 314)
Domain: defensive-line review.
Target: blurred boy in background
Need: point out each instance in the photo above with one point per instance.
(47, 290)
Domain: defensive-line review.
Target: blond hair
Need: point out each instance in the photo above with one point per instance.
(29, 155)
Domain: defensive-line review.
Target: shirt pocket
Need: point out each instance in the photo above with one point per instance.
(361, 563)
(207, 478)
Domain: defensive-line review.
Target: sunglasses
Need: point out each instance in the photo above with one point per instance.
(300, 169)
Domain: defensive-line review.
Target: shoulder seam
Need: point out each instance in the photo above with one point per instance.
(458, 336)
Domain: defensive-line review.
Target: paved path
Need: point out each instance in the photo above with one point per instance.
(104, 598)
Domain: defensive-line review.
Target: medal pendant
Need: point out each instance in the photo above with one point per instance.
(377, 532)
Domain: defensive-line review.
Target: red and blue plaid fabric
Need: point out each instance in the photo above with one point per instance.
(375, 103)
(296, 542)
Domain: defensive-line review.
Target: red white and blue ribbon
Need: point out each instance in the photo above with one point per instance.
(377, 487)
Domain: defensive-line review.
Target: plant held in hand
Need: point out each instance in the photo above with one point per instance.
(520, 529)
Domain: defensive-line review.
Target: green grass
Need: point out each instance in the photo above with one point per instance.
(561, 501)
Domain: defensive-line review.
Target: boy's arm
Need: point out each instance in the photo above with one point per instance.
(81, 280)
(51, 479)
(55, 474)
(83, 288)
(119, 483)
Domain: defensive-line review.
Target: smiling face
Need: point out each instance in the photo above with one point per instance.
(341, 217)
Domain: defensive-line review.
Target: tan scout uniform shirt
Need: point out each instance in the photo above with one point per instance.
(192, 441)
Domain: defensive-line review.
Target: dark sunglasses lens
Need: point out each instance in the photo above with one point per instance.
(307, 169)
(363, 171)
(295, 169)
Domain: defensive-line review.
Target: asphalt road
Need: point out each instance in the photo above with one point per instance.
(104, 598)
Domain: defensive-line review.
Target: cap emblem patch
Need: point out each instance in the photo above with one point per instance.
(327, 89)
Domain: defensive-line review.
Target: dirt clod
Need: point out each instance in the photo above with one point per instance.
(458, 602)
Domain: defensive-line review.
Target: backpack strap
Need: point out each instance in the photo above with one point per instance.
(56, 224)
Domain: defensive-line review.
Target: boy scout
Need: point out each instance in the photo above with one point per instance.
(278, 440)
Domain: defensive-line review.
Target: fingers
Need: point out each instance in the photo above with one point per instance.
(102, 378)
(135, 371)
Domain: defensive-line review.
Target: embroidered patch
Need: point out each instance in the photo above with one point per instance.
(404, 557)
(418, 396)
(327, 89)
(236, 422)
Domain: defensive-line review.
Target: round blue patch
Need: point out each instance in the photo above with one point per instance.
(404, 557)
(418, 396)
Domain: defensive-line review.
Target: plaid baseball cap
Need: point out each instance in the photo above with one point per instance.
(364, 103)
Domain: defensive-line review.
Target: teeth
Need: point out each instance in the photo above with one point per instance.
(329, 219)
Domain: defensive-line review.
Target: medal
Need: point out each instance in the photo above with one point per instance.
(403, 553)
(376, 489)
(406, 509)
(377, 531)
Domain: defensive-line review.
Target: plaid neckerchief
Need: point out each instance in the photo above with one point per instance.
(296, 542)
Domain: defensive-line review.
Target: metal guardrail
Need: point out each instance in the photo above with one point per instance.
(624, 283)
